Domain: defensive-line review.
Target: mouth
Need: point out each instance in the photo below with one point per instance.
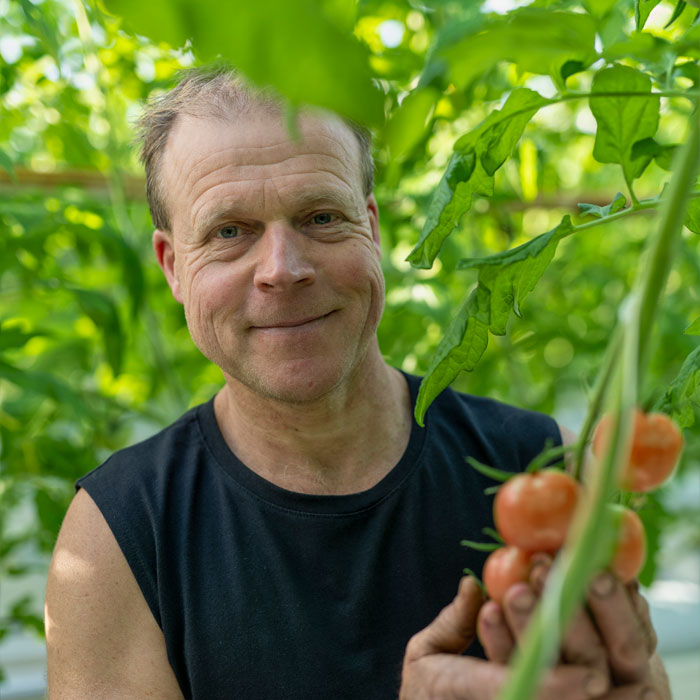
(293, 323)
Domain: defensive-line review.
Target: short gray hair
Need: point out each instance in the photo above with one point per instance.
(213, 92)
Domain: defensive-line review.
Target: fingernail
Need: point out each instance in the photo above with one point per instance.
(650, 694)
(603, 584)
(596, 684)
(539, 575)
(492, 616)
(540, 558)
(524, 601)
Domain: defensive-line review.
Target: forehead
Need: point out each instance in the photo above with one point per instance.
(204, 157)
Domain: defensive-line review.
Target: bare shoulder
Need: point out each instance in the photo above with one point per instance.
(102, 640)
(568, 437)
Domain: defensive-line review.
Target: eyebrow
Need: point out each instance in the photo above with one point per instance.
(303, 201)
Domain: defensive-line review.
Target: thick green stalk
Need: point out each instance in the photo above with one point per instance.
(589, 545)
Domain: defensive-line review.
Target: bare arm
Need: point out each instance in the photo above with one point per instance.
(102, 640)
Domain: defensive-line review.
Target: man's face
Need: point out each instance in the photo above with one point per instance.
(274, 251)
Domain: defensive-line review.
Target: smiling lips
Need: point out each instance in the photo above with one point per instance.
(292, 324)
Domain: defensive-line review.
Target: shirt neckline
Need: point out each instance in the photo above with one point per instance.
(328, 505)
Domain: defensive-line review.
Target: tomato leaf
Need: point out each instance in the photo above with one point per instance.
(511, 275)
(505, 279)
(409, 122)
(492, 473)
(642, 10)
(463, 178)
(623, 120)
(539, 40)
(681, 395)
(616, 205)
(692, 215)
(663, 155)
(330, 68)
(477, 155)
(502, 130)
(599, 8)
(677, 12)
(642, 46)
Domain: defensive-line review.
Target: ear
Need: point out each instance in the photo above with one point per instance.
(164, 249)
(373, 212)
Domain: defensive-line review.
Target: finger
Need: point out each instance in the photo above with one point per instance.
(541, 564)
(493, 633)
(518, 604)
(641, 607)
(582, 645)
(619, 627)
(573, 683)
(634, 691)
(454, 628)
(451, 677)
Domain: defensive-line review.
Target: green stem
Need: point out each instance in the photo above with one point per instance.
(628, 181)
(641, 205)
(691, 95)
(597, 399)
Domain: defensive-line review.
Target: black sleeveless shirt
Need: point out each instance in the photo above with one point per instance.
(268, 594)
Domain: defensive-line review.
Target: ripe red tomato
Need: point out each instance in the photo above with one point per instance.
(504, 567)
(654, 451)
(630, 549)
(533, 511)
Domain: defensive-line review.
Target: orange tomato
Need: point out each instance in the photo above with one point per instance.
(504, 567)
(533, 511)
(654, 449)
(630, 549)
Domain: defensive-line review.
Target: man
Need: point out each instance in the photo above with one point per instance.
(288, 538)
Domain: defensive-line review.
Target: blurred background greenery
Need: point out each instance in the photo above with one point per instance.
(94, 352)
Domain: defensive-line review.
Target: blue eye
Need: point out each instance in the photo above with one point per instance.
(322, 219)
(228, 232)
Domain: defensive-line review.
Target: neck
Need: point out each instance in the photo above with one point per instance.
(344, 442)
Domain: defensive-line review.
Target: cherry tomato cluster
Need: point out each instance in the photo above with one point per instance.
(533, 511)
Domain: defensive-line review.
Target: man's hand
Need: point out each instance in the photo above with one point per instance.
(614, 637)
(433, 668)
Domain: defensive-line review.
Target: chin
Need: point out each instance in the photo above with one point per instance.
(298, 382)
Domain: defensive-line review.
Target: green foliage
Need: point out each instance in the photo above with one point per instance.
(623, 120)
(330, 68)
(504, 281)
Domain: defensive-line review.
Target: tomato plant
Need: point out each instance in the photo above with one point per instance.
(503, 568)
(534, 511)
(630, 546)
(653, 453)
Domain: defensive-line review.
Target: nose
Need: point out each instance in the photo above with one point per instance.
(283, 259)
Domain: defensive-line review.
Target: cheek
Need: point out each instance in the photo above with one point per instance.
(209, 291)
(364, 271)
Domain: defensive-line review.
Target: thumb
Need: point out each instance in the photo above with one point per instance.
(453, 630)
